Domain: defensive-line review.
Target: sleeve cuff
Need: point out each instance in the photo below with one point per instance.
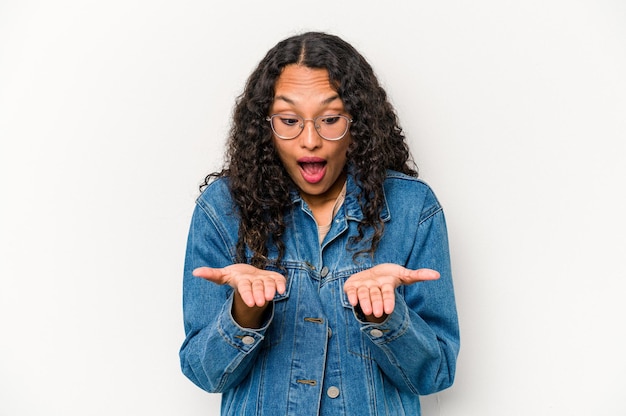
(244, 339)
(388, 330)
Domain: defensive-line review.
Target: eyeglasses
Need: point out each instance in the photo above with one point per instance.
(289, 126)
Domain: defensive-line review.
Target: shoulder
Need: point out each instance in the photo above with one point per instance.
(400, 184)
(404, 192)
(216, 198)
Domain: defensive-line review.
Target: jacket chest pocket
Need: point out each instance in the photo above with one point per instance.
(355, 340)
(276, 330)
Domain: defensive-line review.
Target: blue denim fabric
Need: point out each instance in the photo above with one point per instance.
(315, 354)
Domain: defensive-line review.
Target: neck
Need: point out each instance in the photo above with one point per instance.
(322, 206)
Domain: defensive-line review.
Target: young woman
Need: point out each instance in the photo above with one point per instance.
(317, 277)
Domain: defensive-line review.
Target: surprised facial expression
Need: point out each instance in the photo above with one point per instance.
(315, 165)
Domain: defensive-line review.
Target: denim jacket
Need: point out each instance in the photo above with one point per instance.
(315, 354)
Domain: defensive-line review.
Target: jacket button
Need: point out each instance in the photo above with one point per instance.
(332, 392)
(376, 333)
(247, 340)
(324, 271)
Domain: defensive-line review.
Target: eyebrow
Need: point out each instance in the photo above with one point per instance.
(290, 101)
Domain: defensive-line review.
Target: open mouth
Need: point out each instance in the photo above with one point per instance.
(312, 169)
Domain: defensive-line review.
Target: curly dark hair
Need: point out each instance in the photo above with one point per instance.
(260, 185)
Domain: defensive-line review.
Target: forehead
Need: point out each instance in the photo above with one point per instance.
(300, 81)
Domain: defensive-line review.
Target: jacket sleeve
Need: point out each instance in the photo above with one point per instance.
(418, 344)
(217, 353)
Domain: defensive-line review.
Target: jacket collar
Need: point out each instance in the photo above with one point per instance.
(351, 203)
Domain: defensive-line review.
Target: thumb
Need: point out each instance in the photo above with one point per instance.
(419, 275)
(209, 273)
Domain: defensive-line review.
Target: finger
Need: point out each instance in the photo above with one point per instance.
(389, 298)
(209, 273)
(258, 292)
(270, 289)
(352, 295)
(244, 287)
(376, 298)
(364, 300)
(281, 284)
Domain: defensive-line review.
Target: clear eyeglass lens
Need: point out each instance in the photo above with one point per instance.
(287, 126)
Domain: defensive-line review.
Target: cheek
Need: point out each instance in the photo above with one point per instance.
(277, 146)
(282, 151)
(347, 144)
(344, 151)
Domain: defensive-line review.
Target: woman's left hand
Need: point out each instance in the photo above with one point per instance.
(374, 289)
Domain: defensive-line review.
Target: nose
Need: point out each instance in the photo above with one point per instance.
(310, 138)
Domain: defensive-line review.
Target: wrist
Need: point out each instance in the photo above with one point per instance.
(246, 316)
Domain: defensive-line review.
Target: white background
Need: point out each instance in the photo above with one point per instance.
(112, 112)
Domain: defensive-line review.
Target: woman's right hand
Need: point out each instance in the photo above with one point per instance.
(254, 290)
(255, 286)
